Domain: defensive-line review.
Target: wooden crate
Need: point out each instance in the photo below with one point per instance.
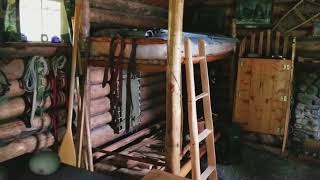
(262, 95)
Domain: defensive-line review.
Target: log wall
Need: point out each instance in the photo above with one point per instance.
(152, 105)
(15, 124)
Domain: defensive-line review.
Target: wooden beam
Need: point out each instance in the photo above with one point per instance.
(102, 16)
(130, 6)
(174, 105)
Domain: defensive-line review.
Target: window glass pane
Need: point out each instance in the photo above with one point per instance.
(51, 10)
(30, 19)
(39, 17)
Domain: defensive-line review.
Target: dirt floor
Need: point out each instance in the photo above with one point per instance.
(260, 165)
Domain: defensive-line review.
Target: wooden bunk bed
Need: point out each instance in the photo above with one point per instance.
(170, 64)
(139, 148)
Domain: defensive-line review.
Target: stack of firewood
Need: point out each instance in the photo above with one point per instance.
(307, 108)
(18, 133)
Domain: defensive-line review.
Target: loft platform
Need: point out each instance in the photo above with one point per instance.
(153, 51)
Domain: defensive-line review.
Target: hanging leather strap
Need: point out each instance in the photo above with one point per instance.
(109, 63)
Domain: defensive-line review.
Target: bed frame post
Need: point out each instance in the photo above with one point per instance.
(173, 99)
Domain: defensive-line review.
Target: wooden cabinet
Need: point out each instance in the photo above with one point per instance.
(262, 95)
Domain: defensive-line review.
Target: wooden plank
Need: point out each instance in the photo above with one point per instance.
(173, 108)
(261, 43)
(268, 42)
(161, 175)
(252, 42)
(260, 85)
(288, 110)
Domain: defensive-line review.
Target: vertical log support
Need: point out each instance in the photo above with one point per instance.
(174, 104)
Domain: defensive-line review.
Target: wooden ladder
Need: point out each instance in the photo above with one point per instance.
(208, 133)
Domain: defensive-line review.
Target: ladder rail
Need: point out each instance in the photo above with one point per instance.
(208, 133)
(207, 110)
(192, 113)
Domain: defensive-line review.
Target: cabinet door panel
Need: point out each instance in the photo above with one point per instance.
(262, 95)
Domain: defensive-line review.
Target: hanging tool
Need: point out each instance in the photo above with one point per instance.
(67, 151)
(208, 133)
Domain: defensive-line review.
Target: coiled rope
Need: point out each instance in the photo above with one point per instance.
(34, 81)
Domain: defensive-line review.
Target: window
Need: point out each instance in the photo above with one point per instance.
(42, 18)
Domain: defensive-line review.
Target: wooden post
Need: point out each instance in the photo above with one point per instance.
(174, 104)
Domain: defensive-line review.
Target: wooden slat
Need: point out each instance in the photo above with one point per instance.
(253, 42)
(204, 134)
(288, 109)
(268, 42)
(261, 42)
(208, 172)
(202, 95)
(161, 175)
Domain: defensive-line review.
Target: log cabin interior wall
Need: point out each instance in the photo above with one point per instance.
(18, 133)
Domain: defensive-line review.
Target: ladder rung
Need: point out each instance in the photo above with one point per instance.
(207, 172)
(205, 133)
(202, 95)
(196, 59)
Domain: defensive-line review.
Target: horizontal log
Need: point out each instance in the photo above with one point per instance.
(13, 69)
(126, 19)
(16, 106)
(96, 75)
(128, 6)
(12, 129)
(156, 113)
(101, 135)
(17, 127)
(12, 108)
(99, 106)
(26, 145)
(152, 80)
(153, 102)
(16, 89)
(100, 120)
(154, 89)
(97, 91)
(43, 122)
(20, 50)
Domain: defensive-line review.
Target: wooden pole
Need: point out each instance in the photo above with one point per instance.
(174, 105)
